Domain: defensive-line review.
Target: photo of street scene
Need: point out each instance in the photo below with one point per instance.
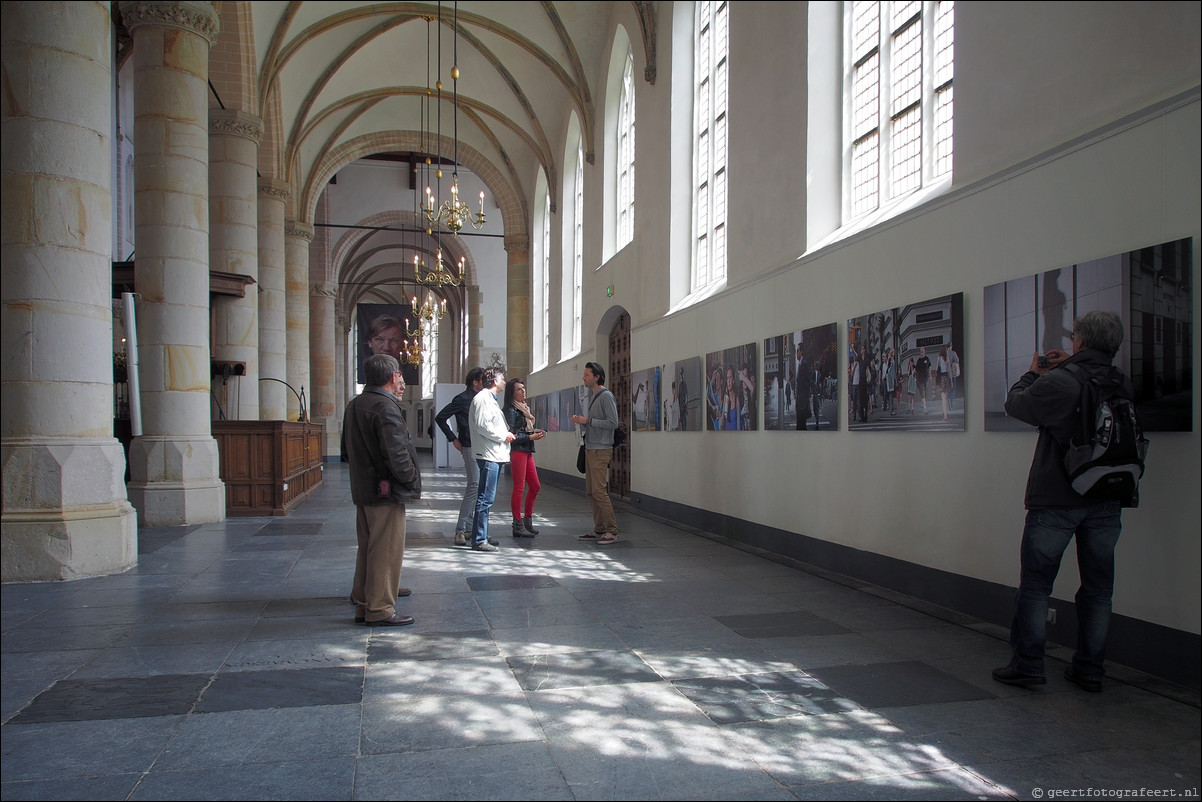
(682, 390)
(801, 392)
(731, 400)
(1149, 288)
(645, 407)
(905, 368)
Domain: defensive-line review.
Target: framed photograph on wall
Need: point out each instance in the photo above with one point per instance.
(382, 331)
(1151, 289)
(731, 398)
(682, 389)
(905, 367)
(551, 422)
(800, 389)
(645, 409)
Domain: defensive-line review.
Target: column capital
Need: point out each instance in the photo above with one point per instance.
(299, 230)
(517, 243)
(196, 17)
(275, 189)
(236, 123)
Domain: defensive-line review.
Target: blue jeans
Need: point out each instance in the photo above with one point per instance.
(489, 472)
(1045, 537)
(467, 509)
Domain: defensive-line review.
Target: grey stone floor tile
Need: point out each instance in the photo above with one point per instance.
(565, 614)
(933, 643)
(577, 669)
(96, 699)
(593, 715)
(661, 764)
(835, 747)
(323, 779)
(954, 783)
(247, 737)
(475, 676)
(167, 630)
(721, 661)
(72, 789)
(36, 637)
(149, 660)
(313, 652)
(1105, 771)
(879, 685)
(818, 651)
(790, 623)
(432, 722)
(504, 771)
(259, 690)
(760, 697)
(555, 639)
(411, 643)
(84, 748)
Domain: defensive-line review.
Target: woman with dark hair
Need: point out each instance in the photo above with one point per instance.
(520, 421)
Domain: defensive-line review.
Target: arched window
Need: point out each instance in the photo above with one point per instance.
(709, 144)
(540, 279)
(625, 194)
(577, 245)
(899, 106)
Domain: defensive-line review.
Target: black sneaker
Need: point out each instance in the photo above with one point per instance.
(1091, 685)
(1012, 676)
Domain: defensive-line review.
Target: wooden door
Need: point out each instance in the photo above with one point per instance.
(618, 381)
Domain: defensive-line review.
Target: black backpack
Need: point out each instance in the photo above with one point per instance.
(1105, 458)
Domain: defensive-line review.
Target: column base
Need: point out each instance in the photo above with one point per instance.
(65, 513)
(175, 481)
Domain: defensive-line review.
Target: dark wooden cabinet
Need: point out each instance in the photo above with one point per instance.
(268, 466)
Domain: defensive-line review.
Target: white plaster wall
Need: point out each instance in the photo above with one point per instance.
(1048, 174)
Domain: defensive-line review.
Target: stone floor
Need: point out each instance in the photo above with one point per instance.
(666, 666)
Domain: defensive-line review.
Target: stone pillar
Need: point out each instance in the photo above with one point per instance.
(322, 326)
(297, 237)
(65, 513)
(174, 465)
(342, 387)
(273, 345)
(517, 319)
(234, 248)
(475, 327)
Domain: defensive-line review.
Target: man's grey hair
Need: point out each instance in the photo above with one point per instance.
(378, 369)
(1101, 331)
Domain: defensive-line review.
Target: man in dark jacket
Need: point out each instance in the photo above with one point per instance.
(461, 439)
(384, 477)
(1048, 397)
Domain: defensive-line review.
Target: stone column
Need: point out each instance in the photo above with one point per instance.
(273, 345)
(174, 465)
(297, 237)
(343, 390)
(322, 327)
(234, 248)
(65, 513)
(517, 320)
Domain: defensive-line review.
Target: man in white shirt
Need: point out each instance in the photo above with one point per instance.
(490, 448)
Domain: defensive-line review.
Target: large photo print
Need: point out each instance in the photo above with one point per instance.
(905, 367)
(800, 388)
(1150, 288)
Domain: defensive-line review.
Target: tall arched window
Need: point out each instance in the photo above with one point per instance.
(900, 103)
(541, 280)
(577, 246)
(625, 192)
(710, 142)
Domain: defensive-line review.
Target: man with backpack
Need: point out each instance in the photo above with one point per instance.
(1050, 395)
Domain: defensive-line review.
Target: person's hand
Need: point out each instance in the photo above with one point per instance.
(509, 438)
(458, 445)
(1056, 356)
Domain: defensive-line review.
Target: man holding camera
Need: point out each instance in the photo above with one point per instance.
(384, 477)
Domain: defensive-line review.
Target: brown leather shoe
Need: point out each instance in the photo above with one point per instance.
(397, 620)
(403, 592)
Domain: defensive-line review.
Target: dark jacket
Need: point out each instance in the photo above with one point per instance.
(1050, 402)
(377, 446)
(458, 407)
(520, 427)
